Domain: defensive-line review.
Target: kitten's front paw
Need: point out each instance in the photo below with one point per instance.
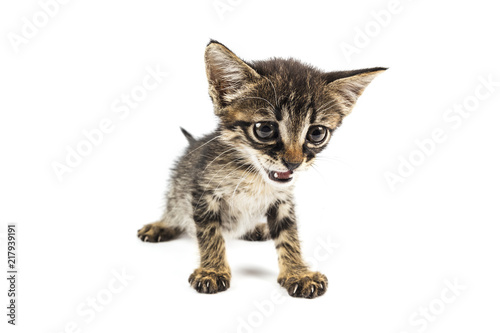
(157, 232)
(207, 281)
(306, 285)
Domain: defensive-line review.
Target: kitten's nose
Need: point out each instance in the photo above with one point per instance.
(291, 165)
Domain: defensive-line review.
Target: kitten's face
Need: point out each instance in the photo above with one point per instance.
(281, 132)
(279, 113)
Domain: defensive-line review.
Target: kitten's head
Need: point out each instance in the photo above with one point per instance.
(279, 113)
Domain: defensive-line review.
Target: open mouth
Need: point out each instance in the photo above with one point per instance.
(280, 177)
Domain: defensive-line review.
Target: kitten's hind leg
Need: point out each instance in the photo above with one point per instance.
(260, 233)
(158, 232)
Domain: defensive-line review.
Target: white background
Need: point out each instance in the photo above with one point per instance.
(396, 248)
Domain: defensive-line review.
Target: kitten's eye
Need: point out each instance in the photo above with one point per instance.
(265, 131)
(316, 134)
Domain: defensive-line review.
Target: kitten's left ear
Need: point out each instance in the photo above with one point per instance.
(228, 76)
(346, 86)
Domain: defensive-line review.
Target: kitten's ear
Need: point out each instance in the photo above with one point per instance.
(228, 76)
(346, 86)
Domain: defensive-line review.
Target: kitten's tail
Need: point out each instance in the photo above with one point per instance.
(188, 136)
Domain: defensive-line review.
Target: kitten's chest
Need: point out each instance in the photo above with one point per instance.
(244, 209)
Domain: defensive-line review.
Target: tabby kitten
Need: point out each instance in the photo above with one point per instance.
(275, 116)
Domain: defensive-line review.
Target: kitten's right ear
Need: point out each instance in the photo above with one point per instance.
(228, 76)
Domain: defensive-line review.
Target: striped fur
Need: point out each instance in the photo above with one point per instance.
(226, 183)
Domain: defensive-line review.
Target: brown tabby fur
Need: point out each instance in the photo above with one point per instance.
(227, 180)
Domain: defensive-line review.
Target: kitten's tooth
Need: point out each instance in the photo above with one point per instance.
(223, 283)
(295, 289)
(312, 289)
(275, 175)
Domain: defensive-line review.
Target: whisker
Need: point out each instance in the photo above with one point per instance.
(330, 113)
(275, 94)
(261, 181)
(242, 178)
(326, 104)
(201, 196)
(333, 159)
(238, 159)
(218, 136)
(254, 97)
(319, 173)
(218, 157)
(238, 168)
(265, 108)
(210, 181)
